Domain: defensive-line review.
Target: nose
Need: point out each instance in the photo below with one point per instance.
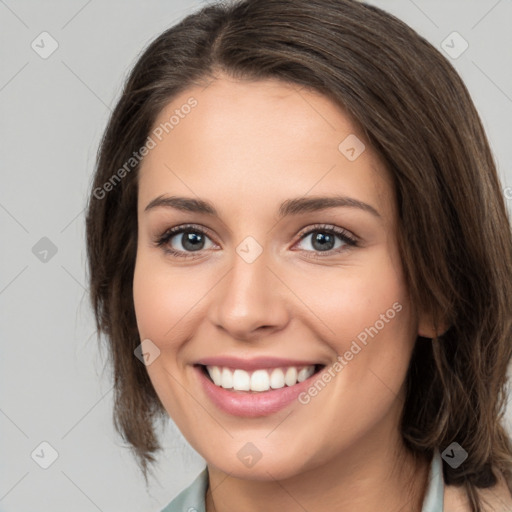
(250, 300)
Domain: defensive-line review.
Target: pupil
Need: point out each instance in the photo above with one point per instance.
(323, 240)
(192, 241)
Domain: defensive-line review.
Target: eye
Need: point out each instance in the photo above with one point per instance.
(327, 239)
(181, 241)
(324, 240)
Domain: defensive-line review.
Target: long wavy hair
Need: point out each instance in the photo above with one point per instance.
(453, 231)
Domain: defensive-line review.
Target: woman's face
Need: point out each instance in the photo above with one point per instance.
(269, 282)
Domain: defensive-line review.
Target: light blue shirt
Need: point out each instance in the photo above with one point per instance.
(192, 499)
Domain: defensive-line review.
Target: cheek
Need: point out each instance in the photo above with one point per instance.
(169, 304)
(365, 316)
(350, 300)
(164, 308)
(149, 300)
(160, 298)
(373, 345)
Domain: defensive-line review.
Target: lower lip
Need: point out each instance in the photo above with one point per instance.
(252, 404)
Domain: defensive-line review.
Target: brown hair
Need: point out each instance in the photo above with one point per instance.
(454, 234)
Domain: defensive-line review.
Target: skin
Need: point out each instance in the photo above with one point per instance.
(247, 147)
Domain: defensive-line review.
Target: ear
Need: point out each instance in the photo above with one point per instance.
(427, 328)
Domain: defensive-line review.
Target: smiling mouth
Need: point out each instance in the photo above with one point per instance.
(260, 380)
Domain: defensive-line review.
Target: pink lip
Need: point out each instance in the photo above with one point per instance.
(249, 404)
(253, 364)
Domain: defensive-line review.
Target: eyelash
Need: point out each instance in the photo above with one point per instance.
(167, 235)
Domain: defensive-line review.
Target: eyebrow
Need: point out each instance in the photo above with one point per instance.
(289, 207)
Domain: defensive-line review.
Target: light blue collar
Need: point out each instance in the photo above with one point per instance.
(434, 496)
(191, 499)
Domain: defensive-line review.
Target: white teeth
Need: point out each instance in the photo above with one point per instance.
(216, 375)
(226, 378)
(277, 379)
(291, 376)
(241, 380)
(305, 373)
(259, 380)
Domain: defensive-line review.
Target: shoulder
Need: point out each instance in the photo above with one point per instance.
(494, 499)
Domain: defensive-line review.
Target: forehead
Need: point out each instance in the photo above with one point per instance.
(242, 109)
(265, 139)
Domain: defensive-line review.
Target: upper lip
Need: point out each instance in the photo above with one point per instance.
(255, 363)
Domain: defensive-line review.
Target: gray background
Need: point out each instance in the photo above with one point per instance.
(54, 385)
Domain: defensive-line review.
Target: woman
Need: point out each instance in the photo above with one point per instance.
(340, 339)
